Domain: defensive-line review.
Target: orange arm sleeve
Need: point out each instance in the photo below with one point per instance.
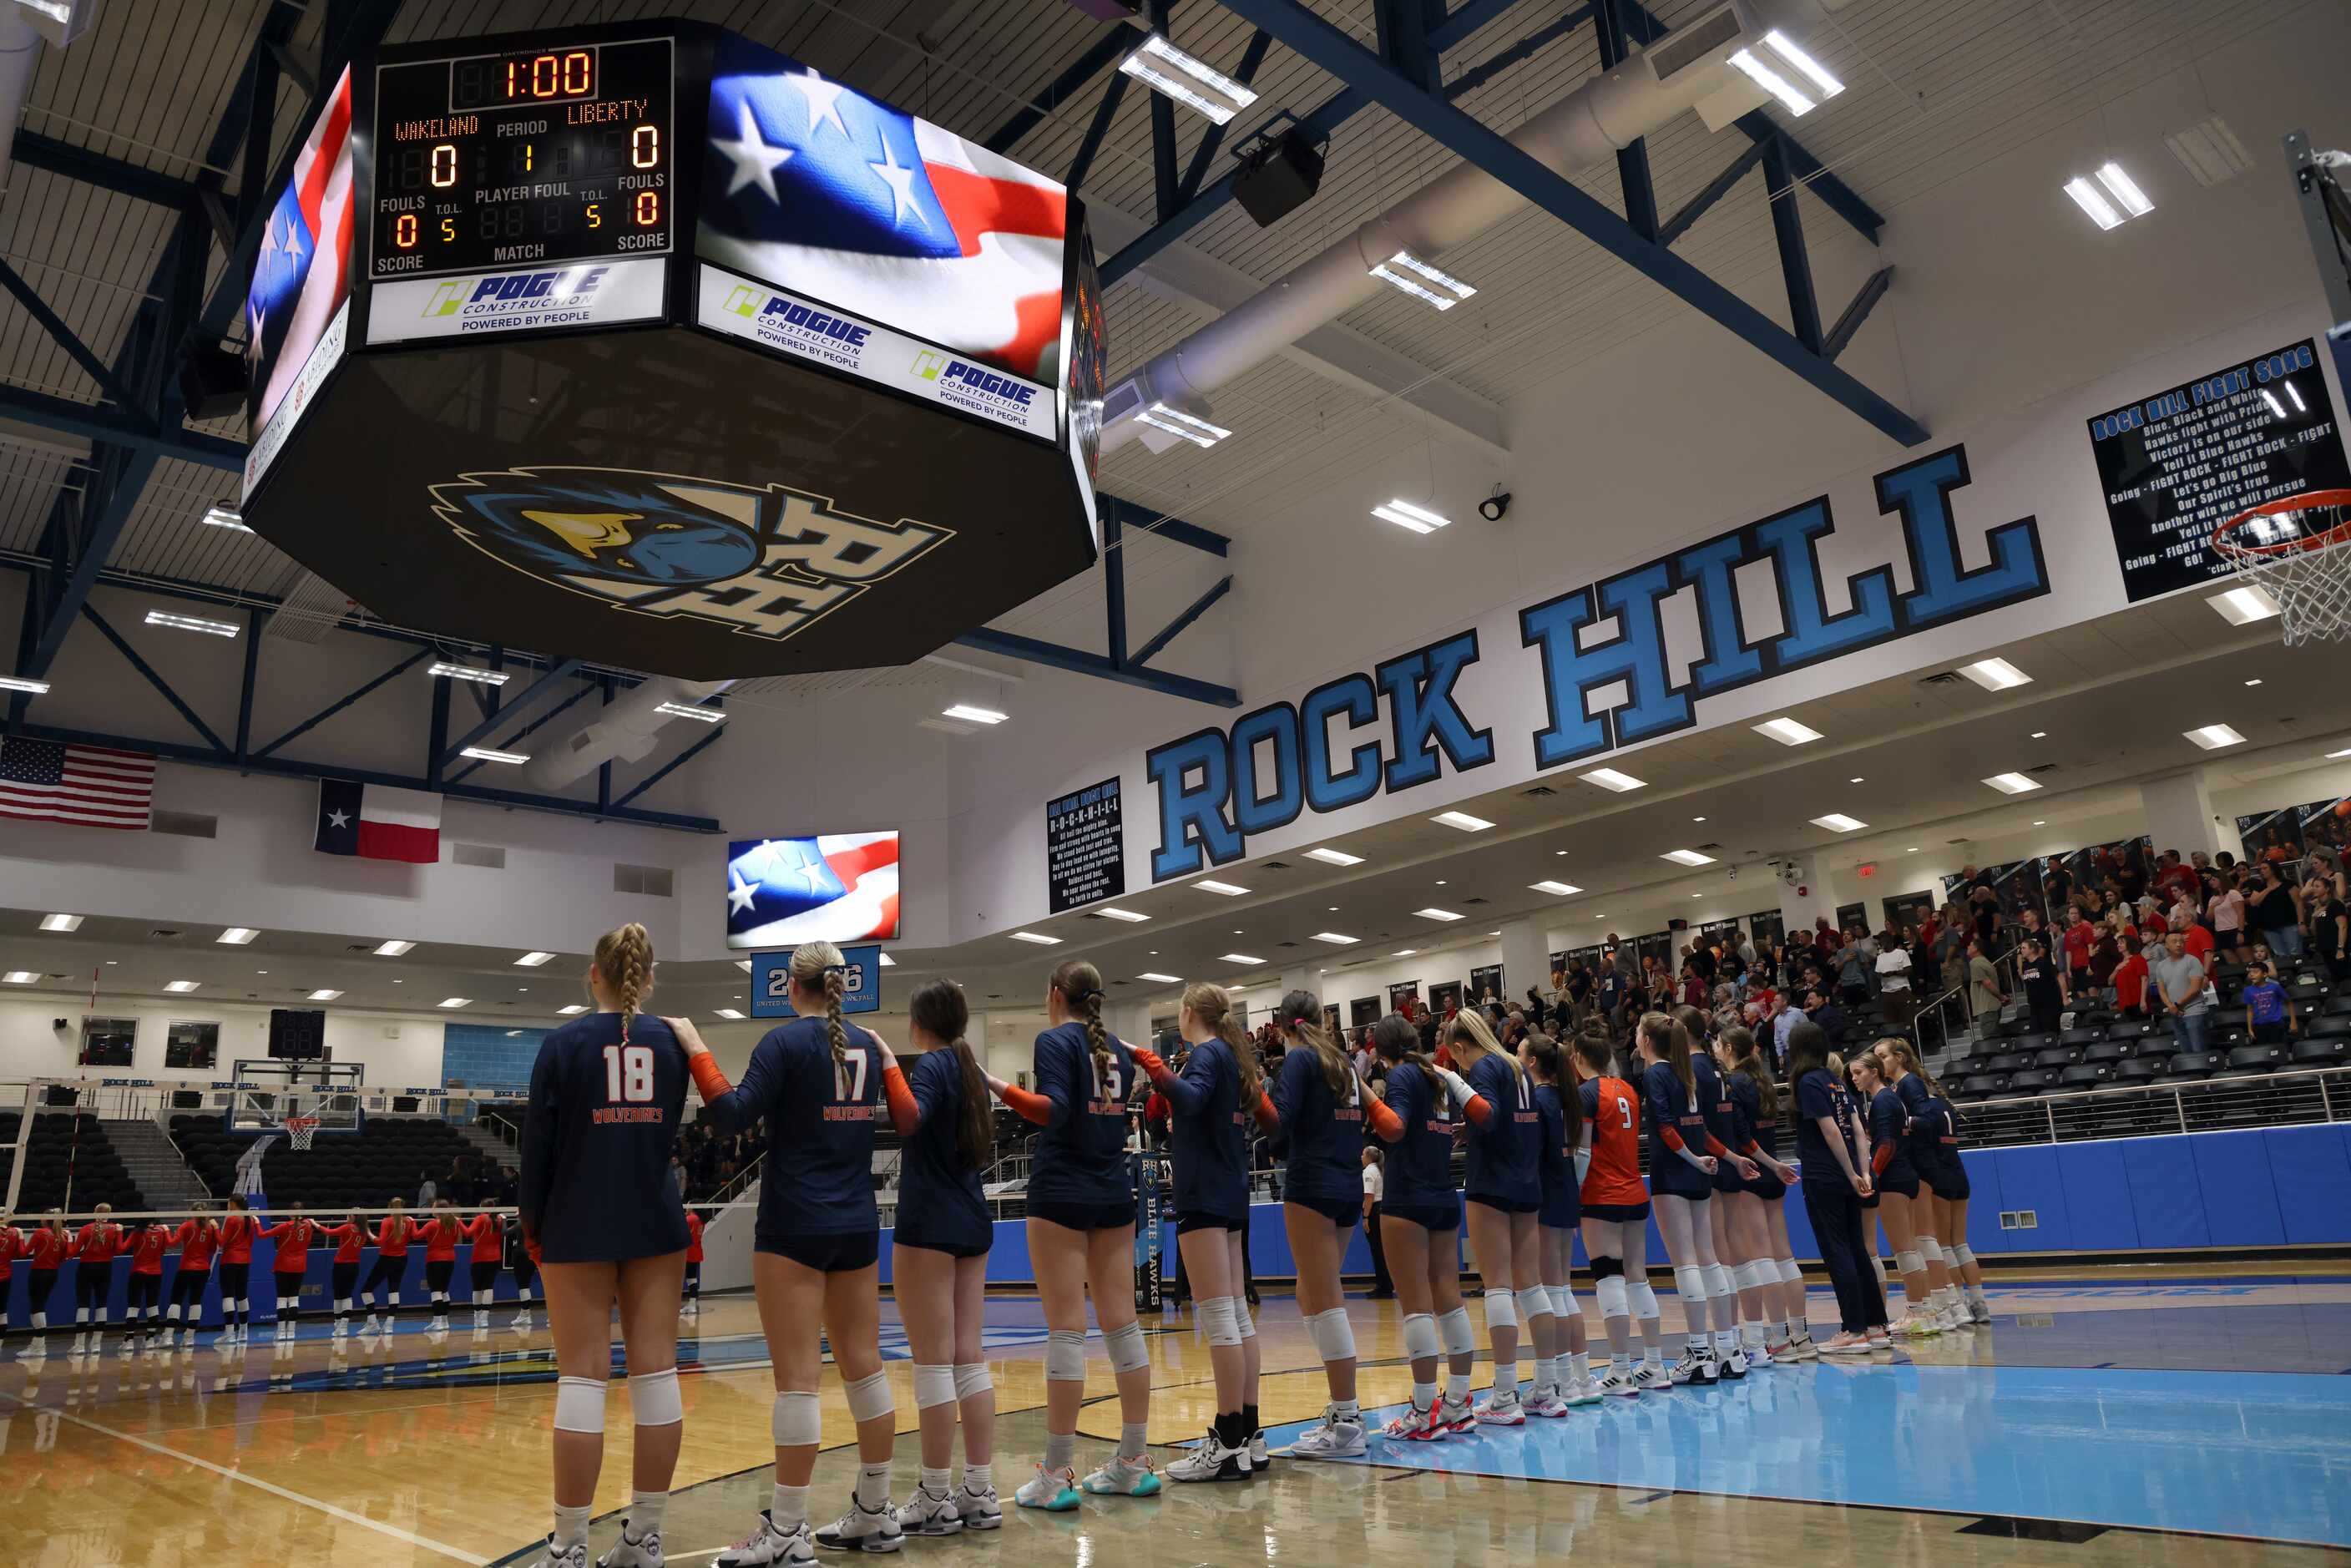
(1478, 1111)
(1385, 1121)
(1266, 1116)
(708, 1076)
(1030, 1106)
(903, 1116)
(1669, 1136)
(1714, 1147)
(1880, 1157)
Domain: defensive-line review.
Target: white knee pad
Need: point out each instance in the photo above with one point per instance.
(580, 1405)
(934, 1386)
(1908, 1262)
(1218, 1325)
(1502, 1311)
(1644, 1298)
(1534, 1302)
(1748, 1276)
(1460, 1339)
(1562, 1301)
(1789, 1274)
(1241, 1317)
(1718, 1281)
(797, 1420)
(1931, 1249)
(1065, 1356)
(1961, 1255)
(869, 1397)
(1334, 1336)
(1689, 1283)
(1126, 1350)
(654, 1399)
(1615, 1302)
(971, 1378)
(1419, 1337)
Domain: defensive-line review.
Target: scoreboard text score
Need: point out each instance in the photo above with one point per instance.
(491, 160)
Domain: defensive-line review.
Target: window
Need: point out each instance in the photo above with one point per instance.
(108, 1042)
(191, 1044)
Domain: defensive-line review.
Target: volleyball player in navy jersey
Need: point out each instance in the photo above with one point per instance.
(1682, 1159)
(939, 1267)
(1209, 1106)
(1081, 1238)
(1947, 1178)
(597, 1202)
(1504, 1183)
(1899, 1063)
(1896, 1179)
(1759, 1214)
(1318, 1105)
(816, 1247)
(1714, 1106)
(1420, 1221)
(1565, 1379)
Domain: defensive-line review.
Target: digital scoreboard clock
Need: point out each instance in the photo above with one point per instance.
(554, 155)
(644, 344)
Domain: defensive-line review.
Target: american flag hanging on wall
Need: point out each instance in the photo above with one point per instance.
(90, 786)
(815, 187)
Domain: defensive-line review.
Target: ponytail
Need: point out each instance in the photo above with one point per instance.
(1395, 1039)
(1745, 1058)
(1299, 1013)
(1468, 1029)
(1080, 986)
(1671, 1041)
(1214, 1011)
(939, 1011)
(624, 957)
(1552, 1062)
(818, 967)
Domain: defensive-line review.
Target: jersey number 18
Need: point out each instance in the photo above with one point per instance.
(628, 1073)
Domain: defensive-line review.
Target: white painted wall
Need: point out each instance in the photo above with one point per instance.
(30, 1048)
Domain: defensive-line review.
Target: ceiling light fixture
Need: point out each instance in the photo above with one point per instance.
(484, 754)
(1237, 958)
(572, 1011)
(532, 959)
(393, 949)
(236, 935)
(1166, 69)
(2125, 190)
(1334, 857)
(2345, 752)
(2254, 682)
(191, 623)
(1037, 939)
(469, 673)
(61, 922)
(1556, 889)
(1161, 979)
(456, 1001)
(1226, 888)
(1177, 422)
(691, 710)
(1787, 731)
(2239, 606)
(2012, 783)
(1687, 857)
(1838, 823)
(1995, 674)
(1131, 916)
(970, 714)
(1414, 277)
(324, 995)
(1463, 821)
(888, 962)
(19, 684)
(2212, 736)
(2093, 201)
(183, 986)
(217, 515)
(1432, 913)
(1794, 98)
(2039, 822)
(20, 976)
(1610, 778)
(1404, 952)
(1406, 515)
(1335, 939)
(727, 1013)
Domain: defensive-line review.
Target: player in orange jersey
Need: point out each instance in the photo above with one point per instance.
(1615, 1220)
(483, 1239)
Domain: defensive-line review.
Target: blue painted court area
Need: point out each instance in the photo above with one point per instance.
(2263, 1455)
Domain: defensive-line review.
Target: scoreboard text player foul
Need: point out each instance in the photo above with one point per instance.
(645, 344)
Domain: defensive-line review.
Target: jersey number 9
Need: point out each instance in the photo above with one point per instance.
(628, 1073)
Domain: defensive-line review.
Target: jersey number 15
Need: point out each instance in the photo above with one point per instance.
(628, 1073)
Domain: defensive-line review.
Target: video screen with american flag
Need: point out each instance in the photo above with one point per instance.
(835, 887)
(302, 273)
(814, 187)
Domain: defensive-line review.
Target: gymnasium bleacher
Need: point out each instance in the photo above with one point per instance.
(70, 1164)
(388, 1157)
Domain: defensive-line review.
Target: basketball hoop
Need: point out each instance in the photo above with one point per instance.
(300, 1130)
(2293, 550)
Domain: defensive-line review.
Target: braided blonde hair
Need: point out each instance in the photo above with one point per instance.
(625, 959)
(818, 967)
(1080, 986)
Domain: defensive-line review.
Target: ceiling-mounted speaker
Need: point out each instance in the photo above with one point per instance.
(213, 382)
(1279, 176)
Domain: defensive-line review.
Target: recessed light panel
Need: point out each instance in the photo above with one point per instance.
(1463, 821)
(1334, 857)
(1687, 857)
(393, 949)
(1609, 778)
(1161, 979)
(1237, 958)
(1335, 939)
(236, 935)
(1226, 888)
(1838, 823)
(61, 922)
(1434, 914)
(532, 960)
(2212, 736)
(1995, 674)
(2012, 783)
(1556, 889)
(182, 985)
(1037, 939)
(1787, 731)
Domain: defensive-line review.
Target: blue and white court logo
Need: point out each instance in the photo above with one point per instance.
(768, 562)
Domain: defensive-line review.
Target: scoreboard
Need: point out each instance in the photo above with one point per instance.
(642, 343)
(551, 155)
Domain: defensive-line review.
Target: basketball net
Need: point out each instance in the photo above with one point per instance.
(300, 1130)
(2294, 551)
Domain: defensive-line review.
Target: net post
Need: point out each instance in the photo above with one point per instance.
(23, 1145)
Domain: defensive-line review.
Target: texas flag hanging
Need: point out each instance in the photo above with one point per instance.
(378, 822)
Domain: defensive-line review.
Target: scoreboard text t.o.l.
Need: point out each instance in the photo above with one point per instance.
(513, 159)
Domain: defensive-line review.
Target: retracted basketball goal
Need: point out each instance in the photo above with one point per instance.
(2292, 550)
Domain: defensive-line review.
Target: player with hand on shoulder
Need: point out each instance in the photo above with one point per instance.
(1420, 1223)
(95, 1247)
(482, 1243)
(348, 1238)
(816, 1247)
(1759, 1214)
(440, 1235)
(1682, 1156)
(146, 1297)
(289, 1265)
(198, 1238)
(1082, 1207)
(238, 1231)
(46, 1251)
(392, 1234)
(1503, 1182)
(1566, 1155)
(595, 1197)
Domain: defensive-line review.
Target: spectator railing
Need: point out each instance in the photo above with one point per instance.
(2295, 1097)
(1947, 1011)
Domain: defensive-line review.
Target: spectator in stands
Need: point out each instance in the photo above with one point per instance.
(2330, 925)
(2274, 908)
(2196, 937)
(1853, 974)
(2081, 940)
(2044, 985)
(2268, 1011)
(2105, 957)
(1785, 1016)
(2177, 880)
(1894, 963)
(1823, 1011)
(2179, 981)
(2130, 980)
(2225, 906)
(1985, 998)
